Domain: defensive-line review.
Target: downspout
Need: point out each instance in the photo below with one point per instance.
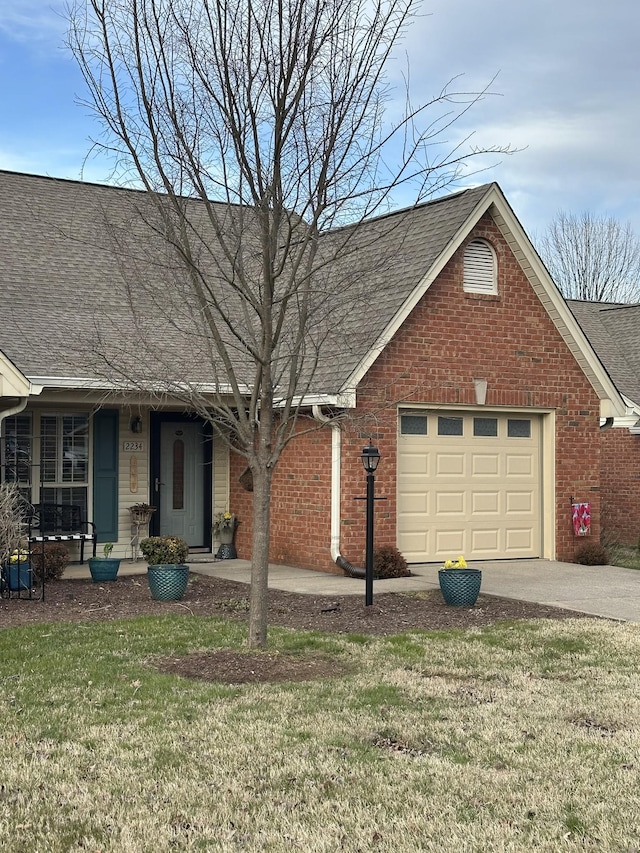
(14, 410)
(336, 467)
(607, 424)
(19, 407)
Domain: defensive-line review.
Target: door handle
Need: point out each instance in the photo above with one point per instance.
(158, 484)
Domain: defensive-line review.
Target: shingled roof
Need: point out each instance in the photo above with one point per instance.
(64, 282)
(613, 330)
(79, 261)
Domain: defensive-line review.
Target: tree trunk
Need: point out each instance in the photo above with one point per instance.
(258, 599)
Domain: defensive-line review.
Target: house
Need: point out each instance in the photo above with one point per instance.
(613, 330)
(463, 364)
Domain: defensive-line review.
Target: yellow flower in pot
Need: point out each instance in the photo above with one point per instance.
(459, 584)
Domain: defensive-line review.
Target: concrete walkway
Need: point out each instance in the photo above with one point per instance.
(599, 590)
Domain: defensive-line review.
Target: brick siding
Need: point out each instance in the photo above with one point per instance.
(450, 338)
(620, 486)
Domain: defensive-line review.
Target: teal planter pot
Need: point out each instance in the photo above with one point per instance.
(103, 570)
(168, 582)
(460, 587)
(19, 576)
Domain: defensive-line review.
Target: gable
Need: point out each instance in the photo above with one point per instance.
(452, 340)
(493, 204)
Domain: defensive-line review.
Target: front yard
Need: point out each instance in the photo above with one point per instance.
(514, 737)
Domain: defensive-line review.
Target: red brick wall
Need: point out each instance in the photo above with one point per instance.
(300, 501)
(449, 339)
(621, 486)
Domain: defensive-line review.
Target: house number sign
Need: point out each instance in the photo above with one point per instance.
(133, 446)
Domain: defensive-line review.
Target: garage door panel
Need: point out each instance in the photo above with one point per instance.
(486, 541)
(469, 494)
(410, 502)
(415, 543)
(484, 503)
(449, 542)
(520, 465)
(414, 464)
(450, 464)
(518, 541)
(519, 502)
(485, 465)
(450, 503)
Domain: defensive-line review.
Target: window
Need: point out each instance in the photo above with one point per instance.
(178, 474)
(518, 428)
(64, 458)
(413, 424)
(59, 474)
(17, 455)
(485, 427)
(480, 268)
(449, 426)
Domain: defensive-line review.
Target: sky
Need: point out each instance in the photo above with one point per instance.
(566, 94)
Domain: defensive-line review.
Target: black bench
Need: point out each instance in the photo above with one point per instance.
(61, 523)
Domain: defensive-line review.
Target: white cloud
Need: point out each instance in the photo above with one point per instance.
(24, 19)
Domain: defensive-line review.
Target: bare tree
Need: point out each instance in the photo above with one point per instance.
(592, 258)
(255, 127)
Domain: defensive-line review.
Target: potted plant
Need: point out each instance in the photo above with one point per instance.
(18, 575)
(140, 517)
(104, 568)
(15, 566)
(224, 527)
(459, 584)
(167, 573)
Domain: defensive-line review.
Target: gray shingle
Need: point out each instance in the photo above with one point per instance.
(613, 330)
(69, 288)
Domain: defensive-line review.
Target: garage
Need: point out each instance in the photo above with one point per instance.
(469, 483)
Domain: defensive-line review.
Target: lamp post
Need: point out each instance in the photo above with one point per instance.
(370, 458)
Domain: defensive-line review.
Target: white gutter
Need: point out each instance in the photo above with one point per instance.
(15, 410)
(345, 399)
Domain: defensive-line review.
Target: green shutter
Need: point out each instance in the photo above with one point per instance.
(105, 474)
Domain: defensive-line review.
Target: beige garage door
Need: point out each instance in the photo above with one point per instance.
(468, 484)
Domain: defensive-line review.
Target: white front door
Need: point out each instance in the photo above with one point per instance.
(181, 481)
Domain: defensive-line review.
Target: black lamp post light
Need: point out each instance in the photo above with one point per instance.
(370, 459)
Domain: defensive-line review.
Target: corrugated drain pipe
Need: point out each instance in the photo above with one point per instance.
(336, 462)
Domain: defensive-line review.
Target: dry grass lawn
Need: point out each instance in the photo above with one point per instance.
(516, 737)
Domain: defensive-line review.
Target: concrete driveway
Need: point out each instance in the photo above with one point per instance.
(599, 590)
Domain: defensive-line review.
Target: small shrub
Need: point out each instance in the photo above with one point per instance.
(164, 550)
(592, 554)
(56, 560)
(388, 562)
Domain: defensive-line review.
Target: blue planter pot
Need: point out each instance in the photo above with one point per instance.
(103, 569)
(460, 587)
(19, 576)
(168, 582)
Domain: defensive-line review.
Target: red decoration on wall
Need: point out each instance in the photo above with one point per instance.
(581, 519)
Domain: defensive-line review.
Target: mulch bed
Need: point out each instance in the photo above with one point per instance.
(391, 613)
